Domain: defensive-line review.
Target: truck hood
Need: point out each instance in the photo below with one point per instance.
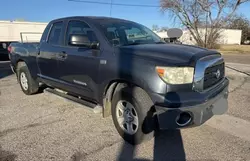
(172, 53)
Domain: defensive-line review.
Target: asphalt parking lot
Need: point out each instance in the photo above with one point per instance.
(46, 127)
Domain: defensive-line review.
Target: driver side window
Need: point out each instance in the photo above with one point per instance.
(80, 28)
(55, 33)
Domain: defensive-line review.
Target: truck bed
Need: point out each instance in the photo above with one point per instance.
(25, 49)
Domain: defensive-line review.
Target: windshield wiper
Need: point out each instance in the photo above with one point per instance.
(160, 42)
(134, 43)
(137, 43)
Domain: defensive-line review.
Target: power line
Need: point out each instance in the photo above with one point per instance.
(115, 4)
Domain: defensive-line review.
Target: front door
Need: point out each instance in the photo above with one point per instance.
(79, 68)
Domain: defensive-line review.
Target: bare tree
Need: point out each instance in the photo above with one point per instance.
(20, 19)
(204, 19)
(155, 27)
(241, 23)
(164, 28)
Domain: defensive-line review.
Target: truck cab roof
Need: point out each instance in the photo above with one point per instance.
(94, 19)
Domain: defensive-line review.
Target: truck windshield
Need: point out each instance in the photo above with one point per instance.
(129, 33)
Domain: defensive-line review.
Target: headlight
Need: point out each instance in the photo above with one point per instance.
(176, 75)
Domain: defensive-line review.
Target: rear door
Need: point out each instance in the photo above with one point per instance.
(79, 68)
(50, 48)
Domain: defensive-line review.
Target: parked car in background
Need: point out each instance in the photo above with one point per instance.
(3, 51)
(247, 42)
(143, 82)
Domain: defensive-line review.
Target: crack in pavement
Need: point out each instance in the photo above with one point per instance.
(7, 131)
(237, 70)
(243, 82)
(239, 86)
(78, 156)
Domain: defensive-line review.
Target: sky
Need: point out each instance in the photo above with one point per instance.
(46, 10)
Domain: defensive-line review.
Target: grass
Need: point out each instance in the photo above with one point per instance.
(234, 49)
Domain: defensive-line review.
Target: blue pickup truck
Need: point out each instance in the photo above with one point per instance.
(128, 71)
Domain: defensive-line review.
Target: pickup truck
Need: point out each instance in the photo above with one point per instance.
(128, 71)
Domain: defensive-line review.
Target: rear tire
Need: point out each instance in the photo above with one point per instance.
(138, 100)
(28, 85)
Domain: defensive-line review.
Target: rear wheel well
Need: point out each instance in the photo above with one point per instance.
(28, 84)
(19, 64)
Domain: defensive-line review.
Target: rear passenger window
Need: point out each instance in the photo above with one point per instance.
(80, 28)
(55, 33)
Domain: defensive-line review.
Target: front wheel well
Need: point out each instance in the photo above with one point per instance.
(113, 86)
(109, 92)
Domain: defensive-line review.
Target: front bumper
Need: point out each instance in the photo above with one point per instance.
(200, 113)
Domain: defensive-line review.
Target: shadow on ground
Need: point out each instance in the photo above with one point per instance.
(6, 155)
(168, 145)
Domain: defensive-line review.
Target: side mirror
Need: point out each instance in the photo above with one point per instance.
(94, 45)
(83, 41)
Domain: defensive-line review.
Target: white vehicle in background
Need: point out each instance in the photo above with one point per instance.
(247, 42)
(16, 31)
(171, 35)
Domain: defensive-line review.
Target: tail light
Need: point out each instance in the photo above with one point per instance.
(9, 49)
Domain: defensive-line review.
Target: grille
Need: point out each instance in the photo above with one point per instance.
(210, 77)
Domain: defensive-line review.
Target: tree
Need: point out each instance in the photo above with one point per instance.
(20, 19)
(241, 23)
(163, 28)
(204, 19)
(155, 28)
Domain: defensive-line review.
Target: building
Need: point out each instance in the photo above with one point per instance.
(12, 31)
(164, 36)
(227, 36)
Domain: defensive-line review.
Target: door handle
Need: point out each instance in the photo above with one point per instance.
(62, 55)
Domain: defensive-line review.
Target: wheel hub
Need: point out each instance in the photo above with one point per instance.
(127, 117)
(24, 81)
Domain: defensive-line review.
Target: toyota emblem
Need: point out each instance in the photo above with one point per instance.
(217, 74)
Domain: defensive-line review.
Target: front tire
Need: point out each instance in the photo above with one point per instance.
(28, 85)
(132, 113)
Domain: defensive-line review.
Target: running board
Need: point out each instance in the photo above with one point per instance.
(92, 106)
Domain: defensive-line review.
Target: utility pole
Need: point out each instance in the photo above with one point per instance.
(206, 31)
(110, 12)
(206, 25)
